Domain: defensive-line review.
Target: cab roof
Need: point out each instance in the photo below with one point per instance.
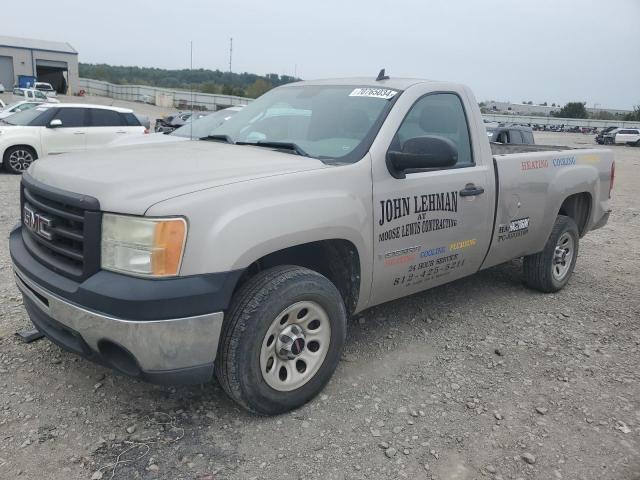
(393, 83)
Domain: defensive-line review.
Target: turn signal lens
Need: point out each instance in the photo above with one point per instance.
(168, 242)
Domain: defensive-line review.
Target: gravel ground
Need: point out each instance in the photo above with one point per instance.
(481, 378)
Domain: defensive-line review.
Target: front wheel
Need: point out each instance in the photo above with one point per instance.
(550, 269)
(17, 159)
(282, 339)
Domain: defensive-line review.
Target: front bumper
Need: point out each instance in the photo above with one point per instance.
(179, 350)
(162, 331)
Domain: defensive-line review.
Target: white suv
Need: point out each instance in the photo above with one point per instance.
(50, 129)
(629, 136)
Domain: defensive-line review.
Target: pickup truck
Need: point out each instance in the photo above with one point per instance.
(243, 254)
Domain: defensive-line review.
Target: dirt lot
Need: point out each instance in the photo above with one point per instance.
(481, 378)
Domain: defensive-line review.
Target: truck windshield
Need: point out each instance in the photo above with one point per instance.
(202, 127)
(325, 122)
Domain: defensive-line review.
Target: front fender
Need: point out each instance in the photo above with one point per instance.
(232, 226)
(13, 140)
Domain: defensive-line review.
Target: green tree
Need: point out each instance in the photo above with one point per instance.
(633, 116)
(603, 115)
(573, 110)
(257, 88)
(210, 87)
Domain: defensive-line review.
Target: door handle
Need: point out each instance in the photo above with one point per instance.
(78, 133)
(470, 190)
(121, 131)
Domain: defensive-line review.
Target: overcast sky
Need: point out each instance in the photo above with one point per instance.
(539, 50)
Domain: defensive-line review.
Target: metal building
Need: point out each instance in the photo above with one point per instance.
(53, 62)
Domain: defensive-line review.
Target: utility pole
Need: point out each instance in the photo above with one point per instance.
(230, 53)
(191, 84)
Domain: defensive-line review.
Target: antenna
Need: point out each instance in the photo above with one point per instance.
(230, 53)
(382, 76)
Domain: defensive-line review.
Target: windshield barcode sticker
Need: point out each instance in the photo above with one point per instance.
(373, 93)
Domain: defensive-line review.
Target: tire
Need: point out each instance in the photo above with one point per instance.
(551, 269)
(263, 318)
(17, 159)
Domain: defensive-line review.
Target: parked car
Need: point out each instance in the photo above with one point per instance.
(514, 134)
(600, 136)
(622, 136)
(196, 130)
(45, 88)
(17, 107)
(1, 88)
(245, 254)
(51, 129)
(169, 123)
(31, 94)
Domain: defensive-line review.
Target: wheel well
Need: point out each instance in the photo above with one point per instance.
(578, 207)
(28, 147)
(337, 260)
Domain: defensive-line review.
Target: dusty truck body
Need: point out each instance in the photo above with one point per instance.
(245, 254)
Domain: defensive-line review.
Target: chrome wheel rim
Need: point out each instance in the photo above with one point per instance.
(563, 256)
(20, 159)
(295, 346)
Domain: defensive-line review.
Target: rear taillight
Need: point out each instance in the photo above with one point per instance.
(613, 176)
(146, 130)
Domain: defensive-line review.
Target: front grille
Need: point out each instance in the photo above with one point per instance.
(61, 229)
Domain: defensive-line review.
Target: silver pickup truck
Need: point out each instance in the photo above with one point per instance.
(243, 254)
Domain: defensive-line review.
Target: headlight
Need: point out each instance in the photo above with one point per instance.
(143, 246)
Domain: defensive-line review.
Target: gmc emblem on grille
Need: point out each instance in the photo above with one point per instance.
(37, 222)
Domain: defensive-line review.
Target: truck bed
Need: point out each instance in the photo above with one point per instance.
(533, 181)
(509, 148)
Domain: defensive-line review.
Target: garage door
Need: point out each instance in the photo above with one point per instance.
(51, 63)
(6, 72)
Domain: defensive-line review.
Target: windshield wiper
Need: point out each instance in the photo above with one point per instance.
(283, 145)
(217, 138)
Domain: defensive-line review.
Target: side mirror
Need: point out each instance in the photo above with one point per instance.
(421, 153)
(55, 123)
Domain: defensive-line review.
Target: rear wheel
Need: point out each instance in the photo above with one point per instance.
(551, 269)
(17, 159)
(282, 339)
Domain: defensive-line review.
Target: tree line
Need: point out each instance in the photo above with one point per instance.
(578, 110)
(201, 80)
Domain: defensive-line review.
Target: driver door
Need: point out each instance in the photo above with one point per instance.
(433, 226)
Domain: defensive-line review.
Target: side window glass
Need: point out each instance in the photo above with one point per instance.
(70, 117)
(101, 117)
(515, 137)
(439, 114)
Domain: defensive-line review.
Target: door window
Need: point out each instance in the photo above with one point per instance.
(515, 137)
(71, 117)
(439, 114)
(101, 117)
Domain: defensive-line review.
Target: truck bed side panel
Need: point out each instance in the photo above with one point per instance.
(531, 190)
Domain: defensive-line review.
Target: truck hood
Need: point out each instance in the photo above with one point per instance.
(131, 179)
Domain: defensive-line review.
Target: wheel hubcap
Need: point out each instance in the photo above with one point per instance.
(290, 342)
(295, 346)
(563, 256)
(20, 160)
